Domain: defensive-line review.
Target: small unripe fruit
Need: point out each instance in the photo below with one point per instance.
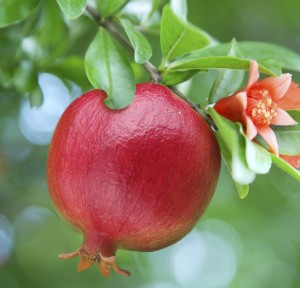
(138, 178)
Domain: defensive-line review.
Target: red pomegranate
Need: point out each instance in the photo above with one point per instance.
(138, 178)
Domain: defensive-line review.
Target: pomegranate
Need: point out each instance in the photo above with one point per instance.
(138, 178)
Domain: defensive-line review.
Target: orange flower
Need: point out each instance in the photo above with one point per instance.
(261, 104)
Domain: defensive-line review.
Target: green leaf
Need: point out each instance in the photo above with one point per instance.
(140, 44)
(36, 97)
(177, 77)
(285, 167)
(179, 37)
(236, 146)
(227, 156)
(110, 70)
(110, 7)
(196, 61)
(72, 8)
(179, 7)
(283, 56)
(51, 35)
(12, 11)
(258, 158)
(71, 68)
(228, 80)
(288, 137)
(286, 58)
(25, 77)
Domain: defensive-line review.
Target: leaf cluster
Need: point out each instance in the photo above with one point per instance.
(104, 43)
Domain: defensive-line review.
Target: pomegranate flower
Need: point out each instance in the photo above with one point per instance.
(261, 104)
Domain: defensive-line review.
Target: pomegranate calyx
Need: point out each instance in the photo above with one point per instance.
(87, 260)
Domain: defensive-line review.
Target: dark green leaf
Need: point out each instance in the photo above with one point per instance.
(228, 80)
(285, 167)
(25, 77)
(72, 8)
(109, 70)
(12, 11)
(179, 37)
(110, 7)
(236, 146)
(177, 77)
(140, 44)
(288, 137)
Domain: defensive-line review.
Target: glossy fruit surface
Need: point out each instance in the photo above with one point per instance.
(137, 178)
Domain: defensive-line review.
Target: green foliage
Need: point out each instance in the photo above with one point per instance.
(179, 37)
(235, 148)
(13, 11)
(109, 70)
(283, 56)
(110, 7)
(72, 8)
(288, 136)
(38, 36)
(227, 80)
(140, 44)
(285, 166)
(194, 61)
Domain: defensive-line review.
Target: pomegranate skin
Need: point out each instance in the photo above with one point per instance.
(137, 178)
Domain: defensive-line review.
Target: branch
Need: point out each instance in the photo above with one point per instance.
(111, 27)
(153, 71)
(195, 107)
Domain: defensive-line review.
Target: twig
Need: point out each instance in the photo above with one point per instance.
(109, 26)
(153, 71)
(194, 106)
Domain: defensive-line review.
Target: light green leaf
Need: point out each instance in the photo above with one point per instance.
(140, 44)
(179, 7)
(227, 156)
(72, 8)
(288, 137)
(196, 61)
(235, 143)
(110, 7)
(258, 158)
(12, 11)
(285, 167)
(110, 70)
(228, 80)
(179, 37)
(283, 56)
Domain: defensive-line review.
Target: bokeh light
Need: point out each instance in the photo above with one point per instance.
(38, 124)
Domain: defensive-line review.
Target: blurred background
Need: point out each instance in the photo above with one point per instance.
(253, 242)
